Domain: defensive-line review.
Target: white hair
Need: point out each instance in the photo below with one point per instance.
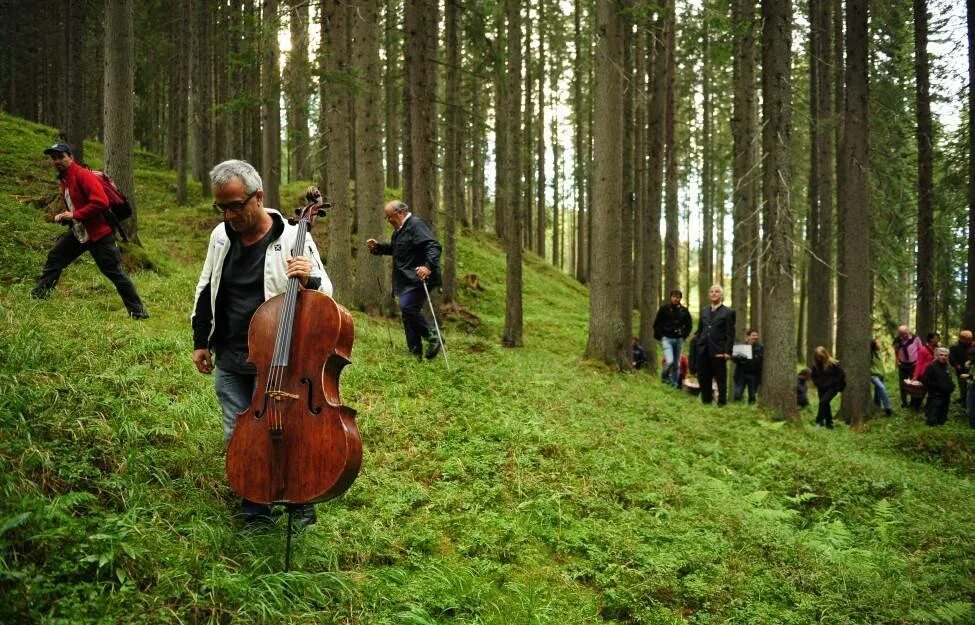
(717, 286)
(226, 171)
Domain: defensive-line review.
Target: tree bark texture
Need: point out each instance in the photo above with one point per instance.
(393, 86)
(607, 336)
(511, 96)
(778, 378)
(119, 103)
(335, 126)
(925, 177)
(372, 282)
(297, 88)
(422, 39)
(969, 322)
(271, 105)
(744, 167)
(671, 209)
(854, 212)
(650, 301)
(705, 272)
(820, 261)
(454, 156)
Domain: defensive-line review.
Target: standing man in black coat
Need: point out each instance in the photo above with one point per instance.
(713, 342)
(416, 259)
(671, 327)
(748, 371)
(937, 379)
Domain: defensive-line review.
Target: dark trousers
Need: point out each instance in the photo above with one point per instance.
(710, 368)
(743, 380)
(825, 414)
(936, 410)
(905, 371)
(411, 305)
(106, 255)
(962, 388)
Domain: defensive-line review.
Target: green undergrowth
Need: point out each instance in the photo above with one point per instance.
(519, 486)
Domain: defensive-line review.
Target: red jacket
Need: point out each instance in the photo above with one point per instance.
(925, 356)
(86, 199)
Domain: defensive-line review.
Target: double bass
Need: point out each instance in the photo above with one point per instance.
(296, 443)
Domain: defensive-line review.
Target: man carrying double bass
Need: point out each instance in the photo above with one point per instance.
(248, 261)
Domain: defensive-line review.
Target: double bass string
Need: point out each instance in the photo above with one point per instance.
(282, 343)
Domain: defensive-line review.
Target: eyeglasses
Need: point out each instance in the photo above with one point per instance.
(234, 207)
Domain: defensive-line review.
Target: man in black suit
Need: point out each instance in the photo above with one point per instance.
(416, 259)
(713, 342)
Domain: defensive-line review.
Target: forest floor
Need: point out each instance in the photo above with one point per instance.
(520, 486)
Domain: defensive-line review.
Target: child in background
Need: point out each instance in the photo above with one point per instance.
(802, 392)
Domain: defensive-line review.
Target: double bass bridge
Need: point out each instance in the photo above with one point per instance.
(279, 395)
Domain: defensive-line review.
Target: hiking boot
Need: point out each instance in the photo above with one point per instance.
(39, 292)
(138, 315)
(432, 350)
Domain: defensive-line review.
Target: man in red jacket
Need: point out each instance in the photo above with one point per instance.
(86, 204)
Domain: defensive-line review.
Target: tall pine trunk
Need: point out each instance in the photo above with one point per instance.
(925, 182)
(271, 106)
(743, 164)
(453, 158)
(297, 91)
(371, 282)
(854, 212)
(820, 261)
(422, 40)
(969, 322)
(335, 123)
(672, 237)
(607, 336)
(513, 315)
(119, 114)
(778, 380)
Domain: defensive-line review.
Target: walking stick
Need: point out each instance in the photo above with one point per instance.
(389, 335)
(435, 324)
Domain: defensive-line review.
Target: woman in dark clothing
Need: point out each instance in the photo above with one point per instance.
(830, 380)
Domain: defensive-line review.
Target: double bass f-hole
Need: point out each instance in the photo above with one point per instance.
(312, 408)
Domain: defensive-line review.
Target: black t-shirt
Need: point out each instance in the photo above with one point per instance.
(241, 293)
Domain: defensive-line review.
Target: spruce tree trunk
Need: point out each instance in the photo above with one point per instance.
(821, 266)
(421, 88)
(453, 158)
(119, 68)
(626, 201)
(76, 96)
(607, 336)
(778, 373)
(513, 319)
(672, 242)
(372, 282)
(540, 141)
(969, 322)
(271, 106)
(650, 300)
(202, 95)
(528, 141)
(335, 124)
(854, 212)
(181, 139)
(504, 188)
(297, 89)
(925, 182)
(705, 273)
(392, 84)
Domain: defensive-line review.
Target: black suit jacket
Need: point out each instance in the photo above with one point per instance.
(412, 246)
(715, 331)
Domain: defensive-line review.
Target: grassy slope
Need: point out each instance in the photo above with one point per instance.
(522, 486)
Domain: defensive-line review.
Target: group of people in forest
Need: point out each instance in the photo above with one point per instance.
(250, 258)
(924, 368)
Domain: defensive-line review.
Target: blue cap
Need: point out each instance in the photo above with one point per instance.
(63, 148)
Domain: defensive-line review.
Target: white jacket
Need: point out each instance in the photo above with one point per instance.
(275, 264)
